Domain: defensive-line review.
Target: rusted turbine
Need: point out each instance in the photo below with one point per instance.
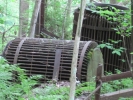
(52, 58)
(99, 29)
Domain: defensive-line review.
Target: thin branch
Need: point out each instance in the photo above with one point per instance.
(3, 33)
(9, 29)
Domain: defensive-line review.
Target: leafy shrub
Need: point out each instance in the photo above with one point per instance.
(14, 87)
(20, 87)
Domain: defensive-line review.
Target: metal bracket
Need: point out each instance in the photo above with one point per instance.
(57, 64)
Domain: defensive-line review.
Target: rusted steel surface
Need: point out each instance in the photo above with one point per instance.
(42, 10)
(37, 56)
(40, 29)
(40, 19)
(83, 55)
(18, 50)
(127, 93)
(98, 82)
(47, 33)
(113, 95)
(97, 28)
(57, 64)
(117, 76)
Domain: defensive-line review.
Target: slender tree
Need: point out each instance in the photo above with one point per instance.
(66, 18)
(23, 17)
(132, 33)
(76, 50)
(34, 18)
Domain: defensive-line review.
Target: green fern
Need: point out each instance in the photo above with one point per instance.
(13, 89)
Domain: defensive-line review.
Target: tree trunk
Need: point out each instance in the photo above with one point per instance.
(69, 7)
(131, 44)
(34, 18)
(113, 1)
(66, 18)
(75, 51)
(23, 17)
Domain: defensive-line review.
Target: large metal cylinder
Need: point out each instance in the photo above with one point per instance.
(52, 58)
(99, 29)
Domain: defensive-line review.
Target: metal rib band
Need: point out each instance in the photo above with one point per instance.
(57, 64)
(89, 43)
(18, 50)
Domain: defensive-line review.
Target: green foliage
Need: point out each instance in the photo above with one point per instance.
(51, 91)
(122, 21)
(110, 46)
(14, 87)
(75, 2)
(8, 14)
(55, 16)
(8, 18)
(131, 53)
(117, 84)
(20, 87)
(89, 54)
(85, 87)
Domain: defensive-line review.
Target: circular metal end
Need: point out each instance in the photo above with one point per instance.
(83, 61)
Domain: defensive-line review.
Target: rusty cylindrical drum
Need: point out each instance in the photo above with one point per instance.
(97, 28)
(53, 58)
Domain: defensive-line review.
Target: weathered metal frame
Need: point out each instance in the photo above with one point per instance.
(98, 79)
(89, 43)
(18, 50)
(40, 28)
(115, 95)
(37, 55)
(117, 76)
(57, 64)
(98, 29)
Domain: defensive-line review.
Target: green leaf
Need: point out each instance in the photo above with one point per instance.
(123, 60)
(122, 48)
(131, 53)
(102, 45)
(116, 52)
(115, 42)
(109, 47)
(1, 21)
